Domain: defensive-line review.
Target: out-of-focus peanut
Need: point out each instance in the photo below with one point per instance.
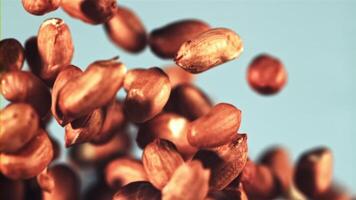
(40, 7)
(30, 160)
(126, 30)
(19, 123)
(12, 55)
(138, 191)
(165, 41)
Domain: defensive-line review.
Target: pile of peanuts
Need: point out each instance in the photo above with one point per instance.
(192, 148)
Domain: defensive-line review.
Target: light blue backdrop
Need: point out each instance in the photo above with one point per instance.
(315, 39)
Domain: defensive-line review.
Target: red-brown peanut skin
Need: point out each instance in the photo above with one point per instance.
(90, 11)
(160, 159)
(169, 126)
(259, 182)
(188, 101)
(147, 93)
(30, 160)
(165, 41)
(12, 55)
(55, 47)
(67, 74)
(126, 30)
(88, 154)
(114, 121)
(84, 129)
(266, 75)
(215, 128)
(59, 182)
(19, 124)
(314, 171)
(122, 171)
(226, 162)
(95, 88)
(190, 182)
(40, 7)
(21, 86)
(138, 191)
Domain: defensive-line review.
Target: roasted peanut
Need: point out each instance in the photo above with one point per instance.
(148, 91)
(266, 74)
(160, 159)
(12, 55)
(84, 129)
(139, 190)
(126, 30)
(80, 96)
(30, 160)
(40, 7)
(19, 124)
(67, 74)
(188, 101)
(59, 182)
(93, 154)
(20, 86)
(215, 128)
(226, 162)
(178, 76)
(190, 182)
(90, 11)
(228, 194)
(278, 161)
(258, 181)
(165, 41)
(209, 49)
(167, 126)
(114, 121)
(313, 175)
(122, 171)
(55, 47)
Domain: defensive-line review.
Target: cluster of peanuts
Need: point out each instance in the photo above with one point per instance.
(192, 149)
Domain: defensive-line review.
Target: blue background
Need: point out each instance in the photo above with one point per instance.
(316, 40)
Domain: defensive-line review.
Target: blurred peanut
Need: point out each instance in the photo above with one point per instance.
(126, 30)
(90, 11)
(19, 123)
(30, 160)
(11, 189)
(314, 171)
(266, 74)
(189, 101)
(140, 190)
(122, 171)
(12, 55)
(59, 182)
(165, 41)
(40, 7)
(167, 126)
(21, 86)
